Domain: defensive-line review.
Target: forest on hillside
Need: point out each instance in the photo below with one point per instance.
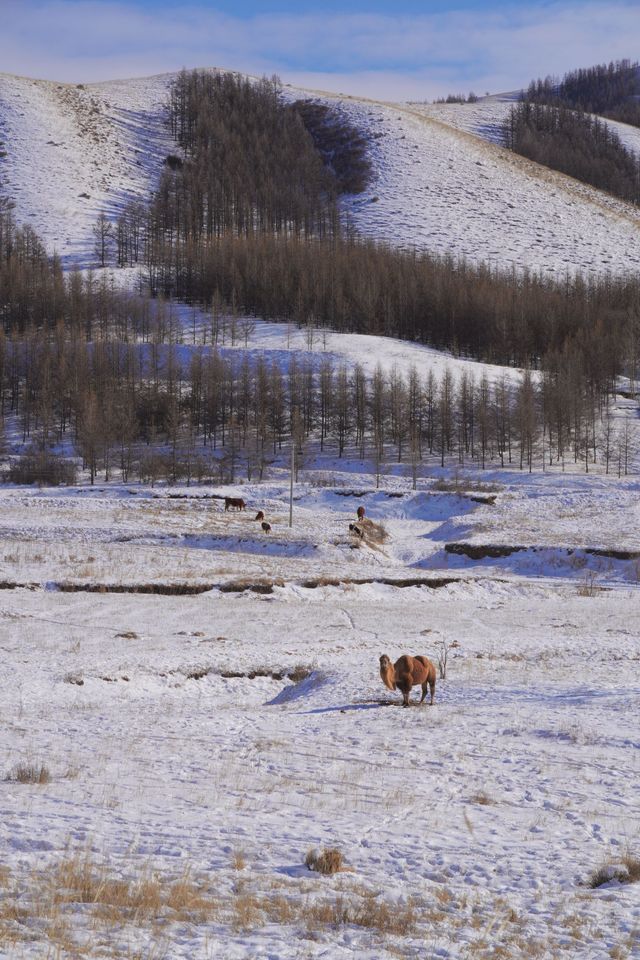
(276, 249)
(555, 125)
(89, 368)
(104, 375)
(610, 90)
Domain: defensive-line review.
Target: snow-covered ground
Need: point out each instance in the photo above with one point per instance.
(278, 342)
(439, 185)
(467, 828)
(74, 151)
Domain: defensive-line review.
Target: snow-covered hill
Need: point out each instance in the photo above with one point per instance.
(75, 151)
(441, 182)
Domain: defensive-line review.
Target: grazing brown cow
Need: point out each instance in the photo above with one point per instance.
(266, 526)
(407, 672)
(259, 515)
(360, 513)
(234, 503)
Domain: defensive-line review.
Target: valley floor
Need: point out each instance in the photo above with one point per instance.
(198, 746)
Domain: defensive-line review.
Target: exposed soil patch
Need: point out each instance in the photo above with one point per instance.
(254, 586)
(296, 674)
(13, 585)
(482, 551)
(433, 582)
(191, 496)
(613, 554)
(478, 551)
(160, 589)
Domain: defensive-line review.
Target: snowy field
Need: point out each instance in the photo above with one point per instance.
(198, 745)
(75, 151)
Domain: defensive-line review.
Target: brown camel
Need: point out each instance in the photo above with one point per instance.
(407, 672)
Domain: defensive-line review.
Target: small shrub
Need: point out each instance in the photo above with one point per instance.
(443, 654)
(45, 469)
(588, 587)
(326, 862)
(29, 773)
(624, 870)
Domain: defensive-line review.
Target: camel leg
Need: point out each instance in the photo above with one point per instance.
(405, 687)
(432, 684)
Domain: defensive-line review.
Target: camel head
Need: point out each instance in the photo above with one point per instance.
(387, 672)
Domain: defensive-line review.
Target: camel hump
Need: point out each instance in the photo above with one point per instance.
(404, 664)
(427, 664)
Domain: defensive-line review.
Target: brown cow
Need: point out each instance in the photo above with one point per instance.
(266, 526)
(360, 513)
(235, 503)
(406, 673)
(259, 515)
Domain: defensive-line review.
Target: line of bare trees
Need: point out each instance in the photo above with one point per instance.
(162, 410)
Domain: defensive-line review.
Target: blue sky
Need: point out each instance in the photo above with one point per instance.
(393, 50)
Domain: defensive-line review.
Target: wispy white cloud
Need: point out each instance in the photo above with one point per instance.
(380, 56)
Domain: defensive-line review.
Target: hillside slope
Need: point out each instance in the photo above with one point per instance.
(439, 183)
(75, 151)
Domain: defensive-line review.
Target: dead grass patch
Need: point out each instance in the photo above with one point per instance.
(149, 896)
(371, 913)
(326, 862)
(29, 773)
(246, 912)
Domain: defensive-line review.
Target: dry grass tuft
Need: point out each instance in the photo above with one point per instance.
(127, 635)
(299, 673)
(29, 773)
(371, 913)
(589, 587)
(247, 913)
(238, 860)
(624, 870)
(482, 798)
(373, 532)
(149, 896)
(326, 862)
